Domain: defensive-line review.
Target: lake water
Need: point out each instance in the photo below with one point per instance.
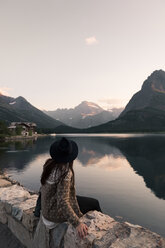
(125, 172)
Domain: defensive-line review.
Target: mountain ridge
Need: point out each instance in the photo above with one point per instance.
(152, 87)
(19, 109)
(144, 112)
(84, 115)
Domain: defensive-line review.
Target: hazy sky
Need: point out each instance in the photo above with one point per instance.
(57, 53)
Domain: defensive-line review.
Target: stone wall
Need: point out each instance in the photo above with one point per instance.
(16, 211)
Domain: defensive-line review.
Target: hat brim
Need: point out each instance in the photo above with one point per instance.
(63, 159)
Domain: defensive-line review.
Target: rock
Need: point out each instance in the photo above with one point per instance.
(105, 232)
(13, 194)
(8, 240)
(99, 224)
(22, 234)
(3, 216)
(29, 220)
(15, 199)
(4, 183)
(19, 207)
(8, 207)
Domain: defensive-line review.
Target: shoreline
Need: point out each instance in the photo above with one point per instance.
(20, 137)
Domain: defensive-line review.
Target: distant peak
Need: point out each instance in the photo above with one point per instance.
(155, 82)
(84, 102)
(86, 108)
(158, 72)
(20, 98)
(89, 104)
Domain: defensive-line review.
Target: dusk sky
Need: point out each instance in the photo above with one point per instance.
(57, 53)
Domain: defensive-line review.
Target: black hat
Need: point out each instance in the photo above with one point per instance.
(64, 150)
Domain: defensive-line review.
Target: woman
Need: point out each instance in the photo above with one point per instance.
(58, 199)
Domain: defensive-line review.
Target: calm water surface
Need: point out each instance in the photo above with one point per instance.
(126, 173)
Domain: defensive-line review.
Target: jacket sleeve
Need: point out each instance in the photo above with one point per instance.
(75, 204)
(63, 203)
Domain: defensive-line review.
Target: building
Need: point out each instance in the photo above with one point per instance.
(23, 128)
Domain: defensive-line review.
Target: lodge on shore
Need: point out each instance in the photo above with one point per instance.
(25, 128)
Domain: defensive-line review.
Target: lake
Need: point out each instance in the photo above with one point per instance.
(125, 172)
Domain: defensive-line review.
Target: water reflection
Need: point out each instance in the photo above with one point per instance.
(18, 154)
(93, 150)
(145, 154)
(147, 157)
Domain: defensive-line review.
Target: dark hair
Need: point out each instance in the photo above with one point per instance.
(62, 167)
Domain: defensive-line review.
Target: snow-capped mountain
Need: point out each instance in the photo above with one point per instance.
(86, 114)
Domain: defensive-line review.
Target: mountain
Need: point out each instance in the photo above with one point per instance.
(5, 99)
(144, 112)
(152, 94)
(19, 109)
(85, 115)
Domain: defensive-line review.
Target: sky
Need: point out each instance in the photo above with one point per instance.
(57, 53)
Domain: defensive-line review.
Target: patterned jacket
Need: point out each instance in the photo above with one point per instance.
(59, 203)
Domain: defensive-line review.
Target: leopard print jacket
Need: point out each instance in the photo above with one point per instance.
(59, 203)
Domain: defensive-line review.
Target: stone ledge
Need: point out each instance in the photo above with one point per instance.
(3, 216)
(105, 232)
(4, 183)
(22, 234)
(16, 211)
(29, 221)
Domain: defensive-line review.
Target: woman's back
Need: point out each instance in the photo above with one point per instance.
(58, 202)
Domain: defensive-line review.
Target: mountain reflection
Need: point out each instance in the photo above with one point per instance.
(92, 150)
(145, 154)
(147, 157)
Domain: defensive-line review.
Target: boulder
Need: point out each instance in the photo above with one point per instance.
(4, 183)
(105, 232)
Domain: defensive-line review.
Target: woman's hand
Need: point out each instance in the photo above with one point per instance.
(82, 230)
